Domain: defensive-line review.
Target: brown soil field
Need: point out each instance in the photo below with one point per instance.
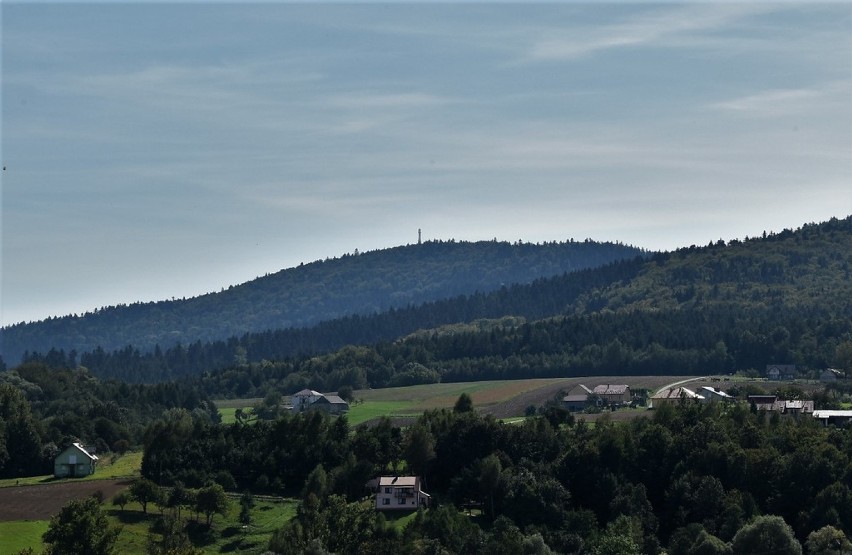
(40, 502)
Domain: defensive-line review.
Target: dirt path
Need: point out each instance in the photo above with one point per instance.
(40, 502)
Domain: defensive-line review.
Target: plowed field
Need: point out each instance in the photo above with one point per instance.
(40, 502)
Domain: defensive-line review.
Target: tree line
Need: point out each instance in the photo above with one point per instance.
(689, 479)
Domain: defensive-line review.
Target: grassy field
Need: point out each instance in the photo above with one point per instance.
(110, 466)
(15, 536)
(499, 396)
(226, 535)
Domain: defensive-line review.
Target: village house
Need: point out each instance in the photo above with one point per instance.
(781, 372)
(310, 399)
(331, 404)
(75, 461)
(577, 398)
(771, 403)
(830, 375)
(399, 493)
(613, 394)
(301, 400)
(674, 395)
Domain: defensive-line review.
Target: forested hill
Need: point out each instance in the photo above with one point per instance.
(727, 306)
(785, 298)
(356, 284)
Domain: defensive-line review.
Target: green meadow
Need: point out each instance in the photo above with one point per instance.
(18, 535)
(226, 534)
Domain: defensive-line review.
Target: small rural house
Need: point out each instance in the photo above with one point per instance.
(332, 404)
(762, 402)
(576, 398)
(400, 493)
(613, 394)
(310, 399)
(73, 462)
(575, 402)
(771, 403)
(674, 395)
(830, 375)
(781, 372)
(301, 400)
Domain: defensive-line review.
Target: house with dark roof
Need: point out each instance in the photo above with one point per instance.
(331, 404)
(781, 372)
(75, 461)
(310, 399)
(613, 394)
(575, 402)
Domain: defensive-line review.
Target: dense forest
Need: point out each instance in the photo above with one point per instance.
(44, 409)
(784, 298)
(354, 284)
(690, 479)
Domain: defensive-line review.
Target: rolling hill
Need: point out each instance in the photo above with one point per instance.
(786, 297)
(354, 284)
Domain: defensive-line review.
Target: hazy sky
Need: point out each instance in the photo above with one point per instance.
(167, 150)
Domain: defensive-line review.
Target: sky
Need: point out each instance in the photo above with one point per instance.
(157, 150)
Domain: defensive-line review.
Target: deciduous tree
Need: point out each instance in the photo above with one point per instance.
(81, 528)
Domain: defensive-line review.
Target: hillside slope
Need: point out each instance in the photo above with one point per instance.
(786, 298)
(310, 293)
(742, 304)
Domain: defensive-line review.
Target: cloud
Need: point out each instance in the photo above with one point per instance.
(831, 99)
(654, 28)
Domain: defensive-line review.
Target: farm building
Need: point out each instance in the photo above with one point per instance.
(74, 461)
(674, 395)
(836, 417)
(303, 399)
(711, 395)
(332, 404)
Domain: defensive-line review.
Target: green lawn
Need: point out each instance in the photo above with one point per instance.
(21, 534)
(400, 520)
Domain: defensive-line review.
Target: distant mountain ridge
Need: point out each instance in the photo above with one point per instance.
(354, 284)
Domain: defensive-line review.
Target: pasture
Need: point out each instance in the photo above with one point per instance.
(502, 398)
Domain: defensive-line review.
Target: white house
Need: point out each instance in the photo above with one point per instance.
(400, 493)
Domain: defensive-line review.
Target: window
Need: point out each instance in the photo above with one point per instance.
(388, 490)
(385, 501)
(402, 500)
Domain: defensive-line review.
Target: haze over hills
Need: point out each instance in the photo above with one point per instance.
(354, 284)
